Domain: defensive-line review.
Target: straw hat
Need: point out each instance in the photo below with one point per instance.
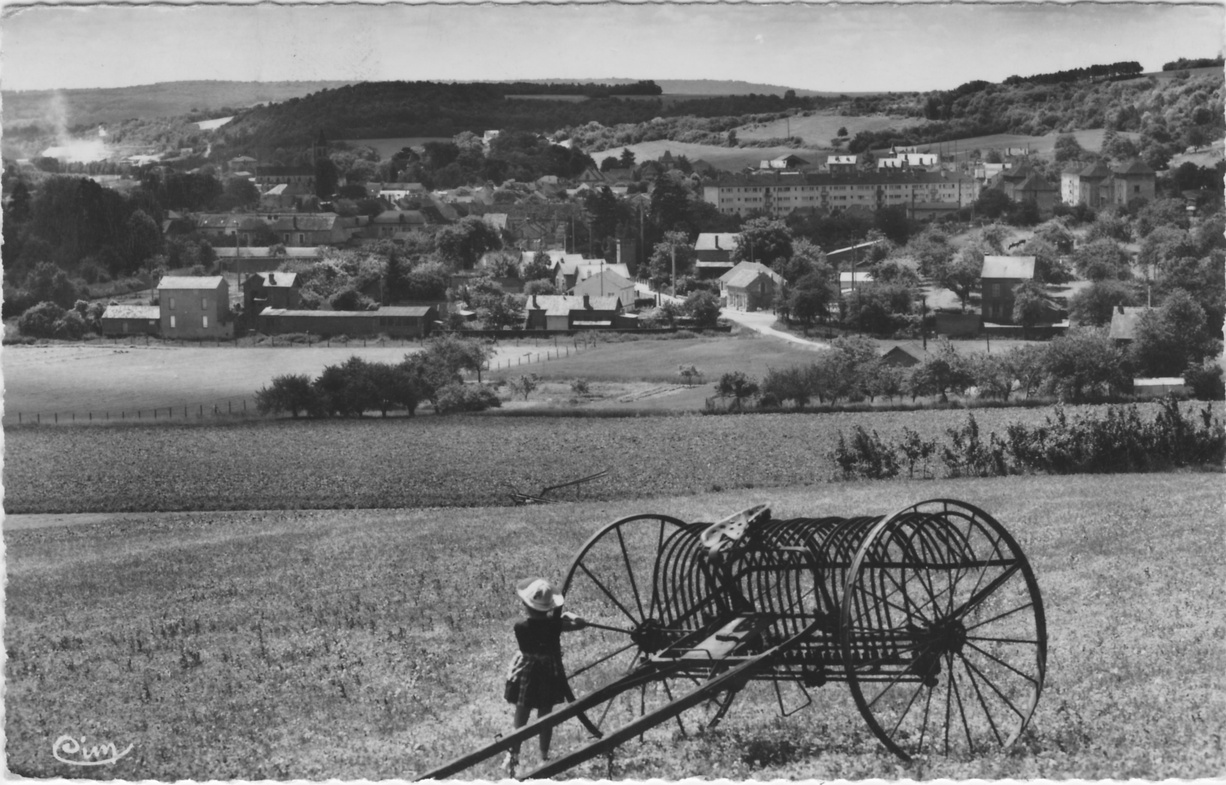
(538, 594)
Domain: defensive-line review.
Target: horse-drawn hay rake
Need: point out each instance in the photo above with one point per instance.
(931, 616)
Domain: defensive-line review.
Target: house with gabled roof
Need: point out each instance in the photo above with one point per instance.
(1035, 189)
(901, 357)
(1132, 182)
(751, 286)
(272, 289)
(389, 223)
(842, 163)
(1124, 321)
(607, 283)
(998, 277)
(568, 312)
(713, 253)
(194, 306)
(311, 229)
(774, 276)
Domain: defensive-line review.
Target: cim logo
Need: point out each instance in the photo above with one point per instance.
(74, 752)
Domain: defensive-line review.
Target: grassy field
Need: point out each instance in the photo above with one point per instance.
(818, 129)
(371, 645)
(105, 376)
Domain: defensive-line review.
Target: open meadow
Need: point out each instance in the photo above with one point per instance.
(372, 644)
(108, 376)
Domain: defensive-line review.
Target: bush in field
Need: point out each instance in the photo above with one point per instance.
(580, 387)
(394, 387)
(456, 398)
(346, 390)
(689, 374)
(865, 456)
(442, 362)
(915, 449)
(1205, 381)
(737, 386)
(41, 321)
(968, 455)
(291, 393)
(1118, 439)
(524, 385)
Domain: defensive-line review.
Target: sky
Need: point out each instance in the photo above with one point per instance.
(827, 46)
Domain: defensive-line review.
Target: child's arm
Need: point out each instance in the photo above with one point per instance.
(571, 622)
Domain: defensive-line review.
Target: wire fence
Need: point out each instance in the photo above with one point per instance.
(234, 408)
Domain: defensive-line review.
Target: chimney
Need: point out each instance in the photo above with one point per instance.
(717, 243)
(272, 279)
(535, 305)
(295, 222)
(587, 303)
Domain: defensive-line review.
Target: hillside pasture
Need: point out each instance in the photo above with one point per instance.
(818, 129)
(371, 645)
(727, 158)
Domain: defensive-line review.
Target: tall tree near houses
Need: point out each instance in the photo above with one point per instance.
(765, 240)
(670, 202)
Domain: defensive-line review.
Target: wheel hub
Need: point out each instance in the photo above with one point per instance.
(649, 636)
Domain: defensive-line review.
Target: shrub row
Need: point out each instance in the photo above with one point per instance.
(358, 386)
(1120, 440)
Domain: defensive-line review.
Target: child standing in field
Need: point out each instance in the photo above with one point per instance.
(536, 679)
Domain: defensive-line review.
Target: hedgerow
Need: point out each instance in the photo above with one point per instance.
(1117, 440)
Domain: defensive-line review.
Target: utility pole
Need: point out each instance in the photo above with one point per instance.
(672, 251)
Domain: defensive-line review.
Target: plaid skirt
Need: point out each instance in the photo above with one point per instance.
(541, 681)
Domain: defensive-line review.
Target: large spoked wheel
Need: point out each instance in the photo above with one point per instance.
(617, 583)
(942, 632)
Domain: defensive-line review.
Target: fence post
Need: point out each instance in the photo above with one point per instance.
(19, 418)
(39, 417)
(56, 415)
(229, 407)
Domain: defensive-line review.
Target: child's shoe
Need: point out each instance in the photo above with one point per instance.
(510, 763)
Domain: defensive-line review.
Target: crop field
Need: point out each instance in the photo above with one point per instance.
(372, 644)
(433, 461)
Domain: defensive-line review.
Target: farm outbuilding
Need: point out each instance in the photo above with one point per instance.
(406, 321)
(120, 320)
(271, 290)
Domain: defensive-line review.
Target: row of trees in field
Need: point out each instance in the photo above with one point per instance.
(358, 386)
(1082, 366)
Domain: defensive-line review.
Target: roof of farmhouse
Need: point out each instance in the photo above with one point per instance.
(208, 282)
(132, 312)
